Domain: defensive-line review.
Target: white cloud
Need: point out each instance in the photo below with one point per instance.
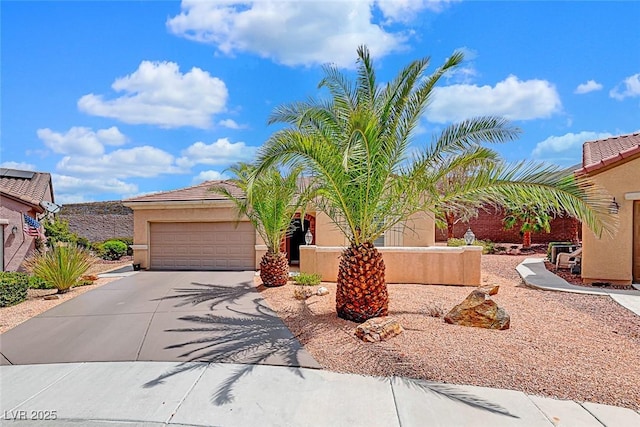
(628, 88)
(565, 149)
(158, 93)
(81, 140)
(406, 10)
(292, 32)
(221, 152)
(231, 124)
(145, 161)
(18, 165)
(587, 87)
(70, 189)
(512, 98)
(209, 175)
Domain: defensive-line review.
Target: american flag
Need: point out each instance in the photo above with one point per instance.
(32, 227)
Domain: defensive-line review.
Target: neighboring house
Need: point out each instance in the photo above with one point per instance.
(21, 193)
(195, 229)
(614, 163)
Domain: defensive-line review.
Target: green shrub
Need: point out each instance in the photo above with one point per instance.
(61, 266)
(306, 279)
(36, 282)
(13, 288)
(127, 241)
(488, 247)
(113, 250)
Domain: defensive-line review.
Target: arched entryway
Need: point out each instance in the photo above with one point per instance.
(296, 238)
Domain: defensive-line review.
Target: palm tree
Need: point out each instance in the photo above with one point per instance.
(533, 219)
(356, 144)
(270, 203)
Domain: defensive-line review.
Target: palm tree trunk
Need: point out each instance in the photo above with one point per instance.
(526, 239)
(450, 223)
(361, 289)
(274, 269)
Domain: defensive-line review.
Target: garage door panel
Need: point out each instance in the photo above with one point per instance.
(202, 246)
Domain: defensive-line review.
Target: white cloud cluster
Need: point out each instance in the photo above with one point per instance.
(565, 149)
(18, 165)
(630, 87)
(81, 140)
(221, 152)
(158, 93)
(511, 98)
(231, 124)
(589, 86)
(70, 189)
(296, 32)
(209, 175)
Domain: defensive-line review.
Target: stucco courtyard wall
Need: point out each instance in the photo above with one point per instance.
(609, 258)
(423, 265)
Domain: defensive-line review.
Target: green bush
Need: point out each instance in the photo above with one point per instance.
(36, 282)
(13, 288)
(306, 279)
(113, 249)
(62, 266)
(488, 247)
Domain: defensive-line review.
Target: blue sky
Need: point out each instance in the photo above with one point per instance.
(122, 98)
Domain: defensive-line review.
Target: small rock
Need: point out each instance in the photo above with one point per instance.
(489, 289)
(50, 297)
(322, 291)
(302, 292)
(90, 277)
(480, 311)
(378, 329)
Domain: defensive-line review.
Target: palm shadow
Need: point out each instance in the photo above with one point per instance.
(249, 337)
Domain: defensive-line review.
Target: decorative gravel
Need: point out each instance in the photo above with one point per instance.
(567, 346)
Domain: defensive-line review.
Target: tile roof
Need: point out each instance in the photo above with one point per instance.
(195, 193)
(28, 187)
(605, 152)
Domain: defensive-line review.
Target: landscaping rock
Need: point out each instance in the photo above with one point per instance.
(480, 311)
(489, 289)
(50, 297)
(322, 291)
(378, 329)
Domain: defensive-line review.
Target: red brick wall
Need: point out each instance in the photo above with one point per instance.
(489, 226)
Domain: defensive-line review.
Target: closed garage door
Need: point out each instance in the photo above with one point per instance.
(202, 246)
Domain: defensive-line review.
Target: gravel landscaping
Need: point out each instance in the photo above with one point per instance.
(567, 346)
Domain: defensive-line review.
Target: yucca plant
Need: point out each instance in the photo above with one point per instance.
(270, 201)
(61, 266)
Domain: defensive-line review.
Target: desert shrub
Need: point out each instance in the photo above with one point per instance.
(62, 266)
(307, 279)
(113, 250)
(127, 241)
(13, 288)
(36, 282)
(488, 247)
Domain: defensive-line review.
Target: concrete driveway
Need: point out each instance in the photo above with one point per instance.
(159, 316)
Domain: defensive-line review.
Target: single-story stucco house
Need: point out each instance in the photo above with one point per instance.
(614, 164)
(21, 193)
(196, 229)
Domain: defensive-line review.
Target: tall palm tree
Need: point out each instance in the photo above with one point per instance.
(269, 202)
(356, 144)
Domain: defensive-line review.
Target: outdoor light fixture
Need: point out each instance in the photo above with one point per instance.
(14, 230)
(308, 237)
(469, 237)
(614, 207)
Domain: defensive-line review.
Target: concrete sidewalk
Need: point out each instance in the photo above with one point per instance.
(211, 394)
(535, 274)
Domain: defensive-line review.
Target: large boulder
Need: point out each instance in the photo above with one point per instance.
(378, 329)
(480, 311)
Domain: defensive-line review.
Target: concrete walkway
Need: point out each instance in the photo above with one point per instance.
(535, 274)
(212, 394)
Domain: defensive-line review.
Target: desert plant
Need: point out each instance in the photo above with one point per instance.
(61, 266)
(113, 250)
(307, 279)
(13, 288)
(356, 143)
(57, 231)
(36, 282)
(533, 218)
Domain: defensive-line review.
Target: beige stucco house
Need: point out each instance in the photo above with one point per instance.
(195, 229)
(21, 193)
(614, 163)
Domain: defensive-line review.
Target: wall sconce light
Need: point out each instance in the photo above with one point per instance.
(308, 237)
(614, 207)
(14, 230)
(469, 237)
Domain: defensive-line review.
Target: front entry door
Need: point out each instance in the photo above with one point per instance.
(636, 241)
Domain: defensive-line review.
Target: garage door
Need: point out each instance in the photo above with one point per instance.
(202, 246)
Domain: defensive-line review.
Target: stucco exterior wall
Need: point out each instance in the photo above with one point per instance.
(609, 259)
(422, 265)
(16, 247)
